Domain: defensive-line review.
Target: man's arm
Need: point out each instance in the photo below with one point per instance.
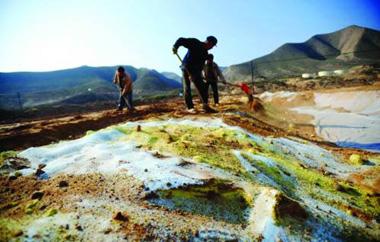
(219, 74)
(114, 78)
(185, 42)
(128, 84)
(204, 70)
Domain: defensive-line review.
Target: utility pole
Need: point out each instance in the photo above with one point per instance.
(19, 100)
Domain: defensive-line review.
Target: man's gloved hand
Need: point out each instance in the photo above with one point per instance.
(174, 50)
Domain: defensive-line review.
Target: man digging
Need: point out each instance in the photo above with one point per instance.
(192, 66)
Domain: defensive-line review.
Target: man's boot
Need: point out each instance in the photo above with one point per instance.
(207, 109)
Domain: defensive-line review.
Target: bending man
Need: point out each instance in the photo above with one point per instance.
(124, 82)
(192, 67)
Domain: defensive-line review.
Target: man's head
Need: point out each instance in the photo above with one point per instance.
(210, 58)
(210, 42)
(120, 70)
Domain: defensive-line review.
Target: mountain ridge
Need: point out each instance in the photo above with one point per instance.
(344, 48)
(81, 82)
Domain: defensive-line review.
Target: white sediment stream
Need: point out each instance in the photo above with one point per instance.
(347, 118)
(105, 151)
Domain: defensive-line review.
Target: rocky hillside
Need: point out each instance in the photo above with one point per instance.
(80, 85)
(342, 49)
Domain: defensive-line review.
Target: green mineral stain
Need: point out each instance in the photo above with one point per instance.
(9, 205)
(32, 204)
(374, 159)
(89, 132)
(312, 182)
(9, 228)
(18, 174)
(51, 212)
(28, 210)
(273, 172)
(123, 130)
(217, 198)
(356, 159)
(214, 146)
(7, 154)
(208, 145)
(12, 229)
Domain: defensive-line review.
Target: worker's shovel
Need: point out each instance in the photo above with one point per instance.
(182, 66)
(179, 58)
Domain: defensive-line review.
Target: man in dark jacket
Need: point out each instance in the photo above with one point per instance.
(192, 67)
(212, 75)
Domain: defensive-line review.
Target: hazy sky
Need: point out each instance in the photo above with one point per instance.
(38, 35)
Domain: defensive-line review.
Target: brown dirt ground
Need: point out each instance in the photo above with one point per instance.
(233, 110)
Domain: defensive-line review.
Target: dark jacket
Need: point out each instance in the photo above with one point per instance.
(196, 54)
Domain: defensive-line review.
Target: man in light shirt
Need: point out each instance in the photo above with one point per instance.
(124, 82)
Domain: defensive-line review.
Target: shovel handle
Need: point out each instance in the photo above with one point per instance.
(179, 58)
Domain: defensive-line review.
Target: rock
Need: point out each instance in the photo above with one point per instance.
(158, 155)
(12, 178)
(43, 207)
(120, 217)
(37, 195)
(184, 163)
(17, 163)
(78, 227)
(349, 212)
(63, 184)
(11, 164)
(18, 233)
(356, 159)
(42, 175)
(10, 205)
(151, 195)
(339, 187)
(18, 174)
(286, 207)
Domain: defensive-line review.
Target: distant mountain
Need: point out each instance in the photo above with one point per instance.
(342, 49)
(82, 84)
(172, 75)
(151, 81)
